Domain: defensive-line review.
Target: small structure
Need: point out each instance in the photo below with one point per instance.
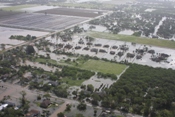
(138, 57)
(81, 41)
(130, 55)
(3, 106)
(94, 50)
(85, 48)
(45, 103)
(33, 113)
(53, 83)
(102, 51)
(151, 51)
(106, 46)
(98, 45)
(114, 47)
(120, 54)
(124, 47)
(112, 52)
(89, 44)
(60, 45)
(78, 47)
(68, 46)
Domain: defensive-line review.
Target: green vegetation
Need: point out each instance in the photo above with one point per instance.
(73, 82)
(18, 7)
(94, 65)
(23, 38)
(85, 5)
(140, 40)
(143, 90)
(103, 66)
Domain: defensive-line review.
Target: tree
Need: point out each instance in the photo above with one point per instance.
(79, 115)
(30, 49)
(90, 88)
(68, 107)
(81, 106)
(23, 100)
(60, 114)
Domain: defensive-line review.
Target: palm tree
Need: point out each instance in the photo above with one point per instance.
(23, 94)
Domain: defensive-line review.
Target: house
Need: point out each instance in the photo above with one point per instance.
(33, 113)
(53, 83)
(45, 103)
(3, 106)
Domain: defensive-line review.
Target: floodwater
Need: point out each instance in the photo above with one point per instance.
(5, 33)
(81, 1)
(126, 32)
(38, 65)
(97, 28)
(150, 10)
(2, 5)
(96, 82)
(157, 27)
(132, 48)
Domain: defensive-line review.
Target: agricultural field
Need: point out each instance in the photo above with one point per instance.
(36, 21)
(73, 12)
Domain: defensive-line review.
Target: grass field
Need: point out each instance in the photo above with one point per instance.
(18, 7)
(73, 82)
(84, 5)
(94, 65)
(104, 67)
(140, 40)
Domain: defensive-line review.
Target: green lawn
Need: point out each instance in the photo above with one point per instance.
(140, 40)
(72, 82)
(104, 67)
(84, 5)
(18, 7)
(46, 60)
(94, 65)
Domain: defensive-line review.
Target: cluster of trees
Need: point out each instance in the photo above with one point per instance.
(143, 90)
(136, 19)
(23, 38)
(76, 73)
(167, 29)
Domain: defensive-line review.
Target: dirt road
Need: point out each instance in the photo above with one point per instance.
(60, 109)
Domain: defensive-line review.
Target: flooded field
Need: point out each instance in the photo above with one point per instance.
(5, 33)
(2, 5)
(74, 12)
(97, 82)
(97, 28)
(131, 54)
(126, 32)
(38, 8)
(42, 22)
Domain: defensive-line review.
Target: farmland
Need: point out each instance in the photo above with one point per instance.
(40, 22)
(73, 12)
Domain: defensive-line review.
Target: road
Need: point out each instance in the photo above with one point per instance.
(53, 33)
(13, 88)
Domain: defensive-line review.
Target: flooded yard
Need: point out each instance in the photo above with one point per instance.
(5, 33)
(105, 52)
